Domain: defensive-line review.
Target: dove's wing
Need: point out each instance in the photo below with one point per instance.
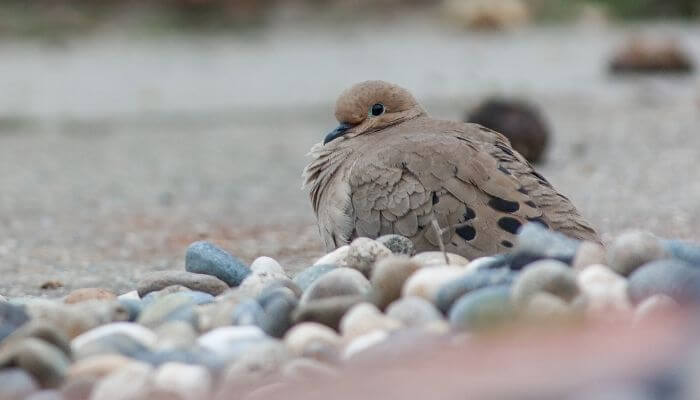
(401, 184)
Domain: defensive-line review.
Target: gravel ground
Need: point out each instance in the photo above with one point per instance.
(117, 151)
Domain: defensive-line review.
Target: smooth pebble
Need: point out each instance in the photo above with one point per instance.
(413, 311)
(549, 276)
(205, 258)
(338, 282)
(632, 249)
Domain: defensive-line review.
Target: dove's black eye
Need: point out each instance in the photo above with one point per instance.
(377, 109)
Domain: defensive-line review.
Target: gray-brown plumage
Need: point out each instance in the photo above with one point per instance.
(390, 168)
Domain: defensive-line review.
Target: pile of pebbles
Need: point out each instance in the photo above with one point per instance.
(223, 329)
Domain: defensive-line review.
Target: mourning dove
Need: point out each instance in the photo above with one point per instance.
(390, 168)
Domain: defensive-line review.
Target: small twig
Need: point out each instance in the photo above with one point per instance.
(439, 231)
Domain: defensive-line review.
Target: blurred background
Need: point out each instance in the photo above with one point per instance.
(129, 129)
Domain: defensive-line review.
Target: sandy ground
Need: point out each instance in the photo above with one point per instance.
(118, 150)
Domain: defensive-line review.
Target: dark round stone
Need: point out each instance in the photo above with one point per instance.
(520, 122)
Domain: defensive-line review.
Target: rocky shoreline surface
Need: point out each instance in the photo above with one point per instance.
(224, 329)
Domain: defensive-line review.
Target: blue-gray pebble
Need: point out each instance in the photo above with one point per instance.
(305, 278)
(248, 312)
(205, 258)
(536, 242)
(452, 291)
(278, 306)
(11, 317)
(674, 278)
(483, 308)
(133, 307)
(682, 250)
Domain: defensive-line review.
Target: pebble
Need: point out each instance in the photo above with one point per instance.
(132, 295)
(258, 361)
(365, 318)
(278, 306)
(338, 282)
(658, 305)
(682, 250)
(309, 275)
(281, 284)
(132, 307)
(128, 383)
(413, 311)
(336, 257)
(426, 282)
(303, 335)
(187, 382)
(158, 280)
(42, 330)
(47, 364)
(137, 332)
(326, 311)
(256, 283)
(489, 262)
(97, 366)
(604, 290)
(205, 258)
(73, 319)
(388, 278)
(397, 244)
(224, 338)
(588, 253)
(633, 249)
(172, 307)
(546, 307)
(363, 343)
(266, 265)
(78, 389)
(549, 276)
(437, 258)
(671, 277)
(153, 296)
(454, 289)
(363, 254)
(536, 242)
(11, 317)
(16, 384)
(249, 312)
(307, 369)
(118, 343)
(87, 294)
(482, 309)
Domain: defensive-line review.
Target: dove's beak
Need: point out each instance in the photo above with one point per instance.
(337, 132)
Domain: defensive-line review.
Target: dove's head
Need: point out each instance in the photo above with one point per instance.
(371, 106)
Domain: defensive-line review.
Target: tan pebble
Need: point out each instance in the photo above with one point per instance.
(588, 253)
(365, 318)
(336, 257)
(547, 307)
(97, 366)
(300, 336)
(388, 278)
(188, 382)
(129, 382)
(426, 282)
(85, 294)
(437, 258)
